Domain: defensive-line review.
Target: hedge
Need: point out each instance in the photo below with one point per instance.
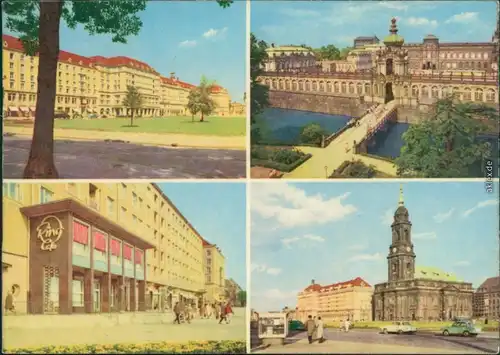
(199, 347)
(280, 166)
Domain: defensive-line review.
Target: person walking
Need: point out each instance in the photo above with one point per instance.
(216, 311)
(177, 313)
(319, 330)
(229, 312)
(222, 315)
(9, 302)
(310, 327)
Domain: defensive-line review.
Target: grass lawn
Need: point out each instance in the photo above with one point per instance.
(213, 126)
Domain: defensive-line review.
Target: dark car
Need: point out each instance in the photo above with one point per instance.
(296, 325)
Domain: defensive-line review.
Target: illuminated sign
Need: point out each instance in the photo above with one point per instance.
(49, 231)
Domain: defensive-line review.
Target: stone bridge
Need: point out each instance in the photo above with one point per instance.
(344, 147)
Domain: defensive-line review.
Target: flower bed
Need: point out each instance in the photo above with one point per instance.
(200, 347)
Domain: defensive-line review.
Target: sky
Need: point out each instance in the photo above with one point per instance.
(317, 23)
(334, 232)
(189, 38)
(218, 212)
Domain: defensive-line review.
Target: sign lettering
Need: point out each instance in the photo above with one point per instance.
(49, 232)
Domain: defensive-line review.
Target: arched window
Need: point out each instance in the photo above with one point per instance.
(490, 95)
(414, 91)
(359, 88)
(308, 86)
(314, 86)
(405, 91)
(321, 86)
(329, 86)
(434, 92)
(351, 88)
(425, 91)
(343, 87)
(467, 94)
(478, 95)
(336, 86)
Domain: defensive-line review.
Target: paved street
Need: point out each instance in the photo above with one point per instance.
(118, 160)
(198, 330)
(362, 341)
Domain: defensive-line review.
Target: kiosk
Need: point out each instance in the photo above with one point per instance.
(273, 328)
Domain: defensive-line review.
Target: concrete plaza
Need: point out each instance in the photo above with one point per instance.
(367, 341)
(121, 160)
(162, 331)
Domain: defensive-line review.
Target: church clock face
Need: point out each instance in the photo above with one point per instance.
(408, 249)
(394, 250)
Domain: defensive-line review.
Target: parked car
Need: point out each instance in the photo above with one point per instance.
(461, 328)
(296, 325)
(399, 328)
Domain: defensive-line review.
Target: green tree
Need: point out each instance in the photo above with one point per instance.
(344, 52)
(38, 24)
(259, 93)
(328, 52)
(312, 133)
(445, 144)
(132, 101)
(358, 169)
(200, 100)
(242, 298)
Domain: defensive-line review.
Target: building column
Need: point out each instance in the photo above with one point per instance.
(88, 290)
(106, 292)
(133, 285)
(142, 295)
(121, 292)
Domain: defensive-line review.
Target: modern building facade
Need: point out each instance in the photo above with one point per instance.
(95, 85)
(215, 273)
(336, 302)
(96, 247)
(412, 293)
(486, 299)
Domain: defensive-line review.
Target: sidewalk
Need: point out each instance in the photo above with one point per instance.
(179, 140)
(330, 346)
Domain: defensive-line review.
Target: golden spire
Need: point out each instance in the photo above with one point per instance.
(401, 199)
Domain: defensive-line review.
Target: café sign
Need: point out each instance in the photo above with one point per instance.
(49, 231)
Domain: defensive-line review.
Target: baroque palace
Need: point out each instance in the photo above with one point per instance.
(413, 75)
(96, 247)
(97, 86)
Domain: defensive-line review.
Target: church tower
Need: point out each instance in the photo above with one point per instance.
(401, 258)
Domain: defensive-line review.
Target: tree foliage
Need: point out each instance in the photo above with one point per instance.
(331, 52)
(200, 100)
(358, 169)
(38, 23)
(242, 298)
(133, 101)
(259, 93)
(312, 133)
(445, 144)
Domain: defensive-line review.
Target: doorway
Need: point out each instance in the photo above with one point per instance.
(97, 296)
(389, 95)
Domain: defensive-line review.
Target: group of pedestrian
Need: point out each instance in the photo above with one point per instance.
(221, 311)
(315, 330)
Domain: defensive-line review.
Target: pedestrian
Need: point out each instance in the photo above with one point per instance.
(314, 336)
(229, 312)
(9, 303)
(222, 315)
(319, 330)
(177, 313)
(347, 324)
(216, 311)
(310, 327)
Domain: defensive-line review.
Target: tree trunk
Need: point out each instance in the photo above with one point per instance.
(40, 163)
(192, 118)
(202, 117)
(131, 117)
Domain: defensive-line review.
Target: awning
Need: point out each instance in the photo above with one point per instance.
(13, 109)
(24, 109)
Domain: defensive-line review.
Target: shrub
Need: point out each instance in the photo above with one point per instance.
(286, 156)
(312, 134)
(199, 347)
(358, 169)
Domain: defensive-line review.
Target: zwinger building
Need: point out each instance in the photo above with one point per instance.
(90, 248)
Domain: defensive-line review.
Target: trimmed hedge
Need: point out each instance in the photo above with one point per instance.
(198, 347)
(279, 166)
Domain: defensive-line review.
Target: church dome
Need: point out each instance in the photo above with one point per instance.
(394, 39)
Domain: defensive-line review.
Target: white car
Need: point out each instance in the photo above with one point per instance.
(399, 328)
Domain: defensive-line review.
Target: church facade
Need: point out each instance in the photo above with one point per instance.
(413, 293)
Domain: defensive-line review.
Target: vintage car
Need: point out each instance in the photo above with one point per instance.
(461, 328)
(296, 325)
(399, 328)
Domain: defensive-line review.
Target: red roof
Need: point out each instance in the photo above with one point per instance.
(205, 243)
(121, 61)
(357, 282)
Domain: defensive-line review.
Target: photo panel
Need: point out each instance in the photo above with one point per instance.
(156, 99)
(124, 267)
(385, 267)
(374, 89)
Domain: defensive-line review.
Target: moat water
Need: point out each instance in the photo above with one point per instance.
(284, 126)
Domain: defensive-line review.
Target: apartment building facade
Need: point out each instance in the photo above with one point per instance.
(215, 273)
(96, 247)
(350, 299)
(486, 300)
(95, 86)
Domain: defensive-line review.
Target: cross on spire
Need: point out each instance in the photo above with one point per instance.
(401, 199)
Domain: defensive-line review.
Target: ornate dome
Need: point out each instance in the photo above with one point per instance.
(394, 39)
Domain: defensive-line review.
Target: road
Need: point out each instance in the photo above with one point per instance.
(335, 154)
(198, 330)
(119, 160)
(362, 341)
